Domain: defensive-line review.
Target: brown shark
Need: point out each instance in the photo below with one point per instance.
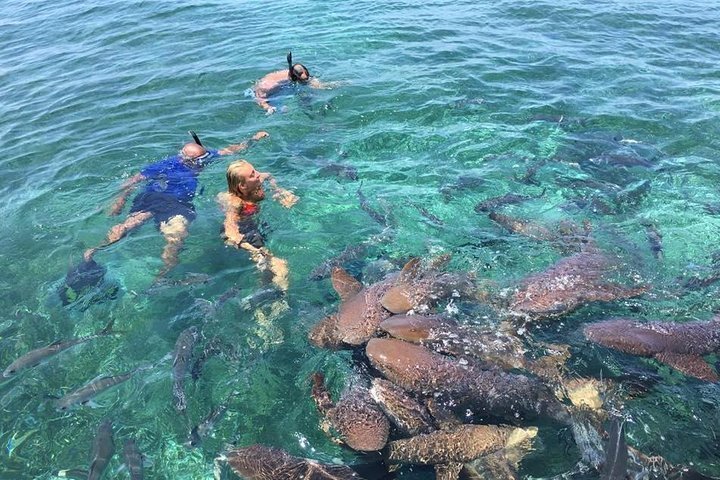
(487, 393)
(409, 416)
(569, 284)
(565, 236)
(680, 345)
(420, 285)
(494, 346)
(358, 316)
(258, 462)
(356, 417)
(460, 445)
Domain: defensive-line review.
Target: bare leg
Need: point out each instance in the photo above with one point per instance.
(119, 231)
(174, 230)
(279, 268)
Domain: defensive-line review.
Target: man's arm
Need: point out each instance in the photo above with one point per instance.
(238, 147)
(317, 84)
(127, 187)
(261, 99)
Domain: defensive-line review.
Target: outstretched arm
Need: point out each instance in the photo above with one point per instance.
(286, 198)
(315, 83)
(127, 187)
(238, 147)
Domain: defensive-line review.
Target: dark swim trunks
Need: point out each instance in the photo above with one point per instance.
(163, 206)
(251, 231)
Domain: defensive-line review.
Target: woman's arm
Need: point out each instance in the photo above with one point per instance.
(231, 230)
(286, 198)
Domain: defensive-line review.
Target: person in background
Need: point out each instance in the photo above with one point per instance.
(274, 81)
(241, 205)
(170, 186)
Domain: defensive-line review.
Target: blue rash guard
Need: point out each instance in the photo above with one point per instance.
(170, 189)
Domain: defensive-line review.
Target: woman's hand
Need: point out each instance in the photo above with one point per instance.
(285, 197)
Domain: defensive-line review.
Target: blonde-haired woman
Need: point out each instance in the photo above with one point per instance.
(240, 203)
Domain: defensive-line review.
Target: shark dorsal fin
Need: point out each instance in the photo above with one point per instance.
(344, 284)
(689, 364)
(410, 271)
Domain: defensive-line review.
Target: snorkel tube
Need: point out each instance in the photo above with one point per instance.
(196, 138)
(291, 69)
(290, 65)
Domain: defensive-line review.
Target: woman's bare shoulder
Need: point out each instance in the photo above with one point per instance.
(229, 202)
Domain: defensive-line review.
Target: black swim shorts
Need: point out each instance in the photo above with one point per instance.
(162, 206)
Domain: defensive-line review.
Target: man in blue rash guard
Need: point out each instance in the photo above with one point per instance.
(167, 197)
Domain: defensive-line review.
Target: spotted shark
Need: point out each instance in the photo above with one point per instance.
(680, 345)
(569, 284)
(356, 417)
(488, 394)
(259, 462)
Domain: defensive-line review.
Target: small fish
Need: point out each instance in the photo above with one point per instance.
(203, 429)
(620, 160)
(423, 211)
(508, 199)
(85, 393)
(37, 356)
(633, 193)
(350, 253)
(346, 172)
(462, 183)
(260, 297)
(133, 460)
(374, 214)
(181, 356)
(103, 449)
(189, 280)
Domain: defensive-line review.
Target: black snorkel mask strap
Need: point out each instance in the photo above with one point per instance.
(196, 138)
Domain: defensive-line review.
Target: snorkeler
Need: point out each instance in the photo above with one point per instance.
(167, 197)
(272, 82)
(241, 204)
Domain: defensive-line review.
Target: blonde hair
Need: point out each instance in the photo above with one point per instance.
(236, 175)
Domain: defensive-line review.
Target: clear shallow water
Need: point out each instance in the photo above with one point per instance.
(433, 92)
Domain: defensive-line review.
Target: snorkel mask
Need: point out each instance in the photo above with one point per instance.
(292, 73)
(200, 159)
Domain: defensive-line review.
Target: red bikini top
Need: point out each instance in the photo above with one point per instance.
(249, 209)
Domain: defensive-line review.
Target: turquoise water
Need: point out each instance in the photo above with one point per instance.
(433, 94)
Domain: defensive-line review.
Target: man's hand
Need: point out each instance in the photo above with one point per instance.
(260, 135)
(270, 110)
